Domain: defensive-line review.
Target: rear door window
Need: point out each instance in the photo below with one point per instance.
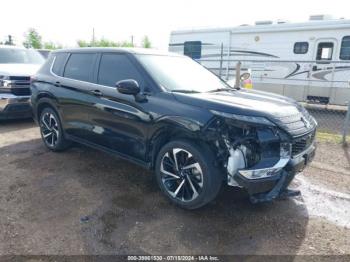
(80, 67)
(116, 67)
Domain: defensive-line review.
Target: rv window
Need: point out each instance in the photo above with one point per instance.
(325, 51)
(345, 48)
(193, 49)
(301, 47)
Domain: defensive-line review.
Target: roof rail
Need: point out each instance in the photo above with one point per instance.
(320, 17)
(267, 22)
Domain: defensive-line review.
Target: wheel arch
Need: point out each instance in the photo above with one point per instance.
(43, 102)
(176, 129)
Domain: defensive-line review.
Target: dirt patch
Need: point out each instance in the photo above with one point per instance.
(83, 201)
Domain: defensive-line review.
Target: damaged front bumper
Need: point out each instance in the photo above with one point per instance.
(275, 180)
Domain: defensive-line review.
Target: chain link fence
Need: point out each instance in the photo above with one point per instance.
(322, 86)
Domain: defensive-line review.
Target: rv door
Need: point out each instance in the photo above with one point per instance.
(322, 71)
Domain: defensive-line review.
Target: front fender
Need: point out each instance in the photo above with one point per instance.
(183, 122)
(168, 128)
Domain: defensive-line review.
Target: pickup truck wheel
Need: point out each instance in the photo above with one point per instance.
(51, 130)
(186, 174)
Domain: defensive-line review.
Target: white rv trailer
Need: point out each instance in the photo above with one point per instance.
(307, 61)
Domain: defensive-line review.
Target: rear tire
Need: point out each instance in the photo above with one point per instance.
(51, 130)
(186, 174)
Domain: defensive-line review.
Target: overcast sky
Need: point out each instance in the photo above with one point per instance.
(66, 21)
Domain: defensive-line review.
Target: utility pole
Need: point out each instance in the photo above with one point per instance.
(132, 40)
(93, 36)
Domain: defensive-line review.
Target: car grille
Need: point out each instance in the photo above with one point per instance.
(20, 78)
(300, 144)
(20, 85)
(21, 91)
(297, 124)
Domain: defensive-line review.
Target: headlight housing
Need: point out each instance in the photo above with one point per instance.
(5, 82)
(265, 172)
(257, 120)
(285, 155)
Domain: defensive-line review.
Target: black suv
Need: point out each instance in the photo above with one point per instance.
(169, 114)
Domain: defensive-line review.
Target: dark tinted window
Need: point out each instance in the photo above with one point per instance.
(58, 64)
(325, 51)
(79, 67)
(116, 67)
(345, 48)
(193, 49)
(301, 47)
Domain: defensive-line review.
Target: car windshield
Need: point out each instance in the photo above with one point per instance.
(20, 56)
(181, 74)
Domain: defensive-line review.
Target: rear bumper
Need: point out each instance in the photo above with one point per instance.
(266, 189)
(14, 107)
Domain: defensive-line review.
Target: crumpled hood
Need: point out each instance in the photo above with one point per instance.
(18, 69)
(246, 102)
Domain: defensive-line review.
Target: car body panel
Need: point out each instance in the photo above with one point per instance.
(242, 102)
(134, 126)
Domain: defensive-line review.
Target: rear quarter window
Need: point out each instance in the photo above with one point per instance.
(58, 63)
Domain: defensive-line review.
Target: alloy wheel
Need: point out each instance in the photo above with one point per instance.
(181, 175)
(49, 129)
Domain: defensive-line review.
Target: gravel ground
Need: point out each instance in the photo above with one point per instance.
(83, 201)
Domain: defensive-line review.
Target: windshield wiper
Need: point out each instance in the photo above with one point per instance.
(187, 91)
(222, 89)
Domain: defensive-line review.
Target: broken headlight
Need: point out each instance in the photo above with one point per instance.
(285, 154)
(285, 150)
(244, 118)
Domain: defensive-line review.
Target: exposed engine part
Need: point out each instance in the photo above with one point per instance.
(235, 161)
(249, 151)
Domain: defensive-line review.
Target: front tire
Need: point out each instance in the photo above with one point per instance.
(186, 174)
(51, 130)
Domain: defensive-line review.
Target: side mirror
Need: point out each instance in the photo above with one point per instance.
(128, 87)
(245, 76)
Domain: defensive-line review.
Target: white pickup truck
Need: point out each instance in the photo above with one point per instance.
(17, 64)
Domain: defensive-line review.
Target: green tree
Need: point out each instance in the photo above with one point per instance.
(146, 43)
(103, 42)
(126, 44)
(33, 39)
(52, 46)
(82, 43)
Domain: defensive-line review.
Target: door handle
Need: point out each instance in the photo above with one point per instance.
(96, 92)
(58, 83)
